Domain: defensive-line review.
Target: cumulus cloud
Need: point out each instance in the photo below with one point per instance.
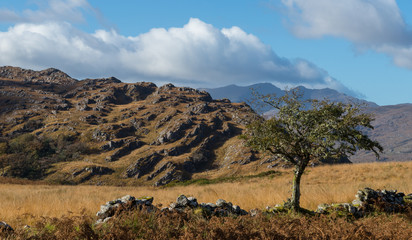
(370, 24)
(197, 55)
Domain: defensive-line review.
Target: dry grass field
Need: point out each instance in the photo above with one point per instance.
(24, 203)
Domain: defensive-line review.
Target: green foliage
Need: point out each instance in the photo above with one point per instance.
(29, 156)
(24, 156)
(32, 125)
(298, 133)
(31, 146)
(304, 131)
(50, 227)
(20, 165)
(3, 148)
(160, 225)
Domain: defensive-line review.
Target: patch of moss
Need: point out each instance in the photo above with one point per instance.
(407, 199)
(201, 212)
(145, 198)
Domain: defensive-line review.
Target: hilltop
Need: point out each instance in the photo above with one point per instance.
(103, 131)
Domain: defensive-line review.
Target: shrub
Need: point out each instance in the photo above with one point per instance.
(162, 225)
(29, 156)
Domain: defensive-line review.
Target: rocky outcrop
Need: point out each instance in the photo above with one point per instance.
(164, 167)
(85, 173)
(113, 144)
(239, 154)
(50, 75)
(142, 166)
(169, 176)
(174, 131)
(123, 151)
(112, 131)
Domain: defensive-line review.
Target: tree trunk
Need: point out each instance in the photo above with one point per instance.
(296, 189)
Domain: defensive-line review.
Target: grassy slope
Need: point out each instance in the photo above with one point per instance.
(22, 204)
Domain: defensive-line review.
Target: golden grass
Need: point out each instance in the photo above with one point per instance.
(325, 184)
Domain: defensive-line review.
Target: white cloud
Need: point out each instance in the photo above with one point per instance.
(54, 10)
(371, 24)
(8, 16)
(197, 54)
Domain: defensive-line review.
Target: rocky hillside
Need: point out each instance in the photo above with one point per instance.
(393, 129)
(103, 131)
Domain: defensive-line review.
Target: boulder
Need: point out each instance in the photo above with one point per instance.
(342, 209)
(190, 204)
(368, 200)
(182, 201)
(125, 203)
(5, 228)
(388, 201)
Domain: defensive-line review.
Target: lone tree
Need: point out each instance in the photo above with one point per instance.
(305, 131)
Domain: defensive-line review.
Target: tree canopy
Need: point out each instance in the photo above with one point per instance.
(304, 131)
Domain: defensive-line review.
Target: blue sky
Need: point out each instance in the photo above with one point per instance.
(360, 47)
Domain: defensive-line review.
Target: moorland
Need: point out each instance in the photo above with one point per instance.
(68, 146)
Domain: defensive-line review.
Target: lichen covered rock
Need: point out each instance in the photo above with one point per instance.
(125, 203)
(368, 200)
(221, 208)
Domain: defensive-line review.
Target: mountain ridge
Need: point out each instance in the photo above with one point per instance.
(237, 93)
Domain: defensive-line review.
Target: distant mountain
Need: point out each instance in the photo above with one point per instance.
(393, 129)
(393, 124)
(244, 94)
